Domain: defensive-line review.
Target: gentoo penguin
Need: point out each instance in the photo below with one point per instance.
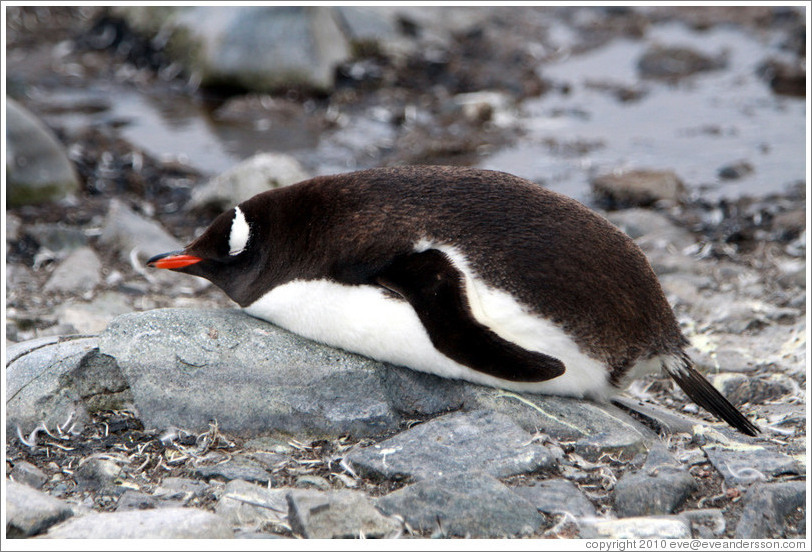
(465, 273)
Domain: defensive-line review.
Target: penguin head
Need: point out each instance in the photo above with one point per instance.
(227, 253)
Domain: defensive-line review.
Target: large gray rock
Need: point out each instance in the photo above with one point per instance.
(336, 515)
(37, 168)
(254, 47)
(186, 367)
(743, 464)
(255, 175)
(455, 443)
(464, 505)
(30, 512)
(165, 523)
(767, 508)
(557, 496)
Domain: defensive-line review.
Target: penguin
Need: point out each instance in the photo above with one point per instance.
(461, 272)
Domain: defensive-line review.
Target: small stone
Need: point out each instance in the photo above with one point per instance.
(743, 464)
(28, 474)
(135, 500)
(671, 63)
(652, 492)
(735, 171)
(650, 229)
(664, 527)
(312, 482)
(238, 468)
(767, 508)
(708, 523)
(80, 271)
(244, 504)
(637, 188)
(337, 514)
(257, 174)
(30, 512)
(180, 490)
(96, 473)
(472, 505)
(556, 496)
(741, 389)
(164, 523)
(454, 443)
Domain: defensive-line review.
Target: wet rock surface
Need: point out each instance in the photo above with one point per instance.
(132, 428)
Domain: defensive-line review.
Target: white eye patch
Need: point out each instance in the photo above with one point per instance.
(240, 231)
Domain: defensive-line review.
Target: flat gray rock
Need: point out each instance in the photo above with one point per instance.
(460, 442)
(28, 474)
(165, 523)
(237, 468)
(30, 512)
(767, 507)
(248, 505)
(557, 496)
(336, 515)
(37, 167)
(186, 367)
(743, 464)
(464, 505)
(662, 527)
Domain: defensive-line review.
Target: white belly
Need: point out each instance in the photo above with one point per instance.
(365, 320)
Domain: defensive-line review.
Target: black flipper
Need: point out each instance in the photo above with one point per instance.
(706, 395)
(436, 290)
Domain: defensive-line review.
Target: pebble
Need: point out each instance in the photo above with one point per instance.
(472, 505)
(30, 512)
(735, 171)
(455, 443)
(743, 464)
(247, 505)
(164, 523)
(255, 175)
(652, 491)
(37, 167)
(80, 271)
(96, 472)
(557, 496)
(312, 482)
(28, 474)
(135, 500)
(337, 514)
(673, 63)
(239, 467)
(707, 523)
(767, 508)
(637, 188)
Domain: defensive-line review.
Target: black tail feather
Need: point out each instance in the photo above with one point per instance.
(706, 395)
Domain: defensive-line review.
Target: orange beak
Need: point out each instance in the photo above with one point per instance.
(173, 259)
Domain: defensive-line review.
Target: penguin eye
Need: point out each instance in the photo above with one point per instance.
(239, 234)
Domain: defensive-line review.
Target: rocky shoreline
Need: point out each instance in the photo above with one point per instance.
(143, 404)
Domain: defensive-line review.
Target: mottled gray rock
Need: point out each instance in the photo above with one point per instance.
(595, 429)
(39, 384)
(28, 474)
(238, 467)
(37, 168)
(180, 490)
(312, 482)
(244, 504)
(464, 505)
(337, 514)
(135, 500)
(164, 523)
(740, 388)
(80, 271)
(707, 523)
(30, 512)
(639, 188)
(301, 46)
(672, 63)
(556, 496)
(96, 472)
(455, 443)
(767, 507)
(255, 175)
(282, 382)
(662, 527)
(652, 491)
(743, 464)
